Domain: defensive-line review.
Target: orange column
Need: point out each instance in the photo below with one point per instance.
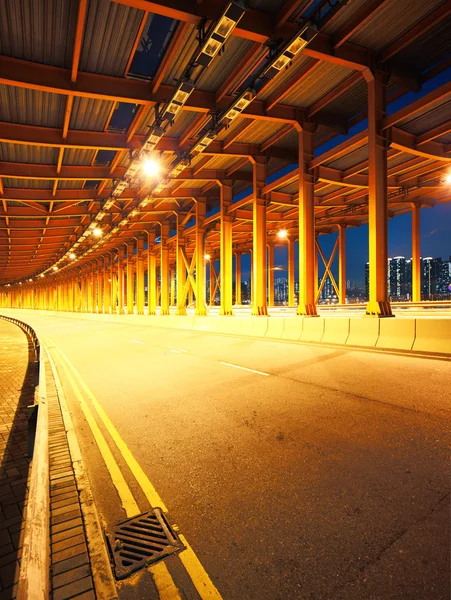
(307, 249)
(201, 208)
(378, 304)
(416, 257)
(259, 270)
(290, 272)
(238, 279)
(164, 270)
(270, 274)
(342, 264)
(226, 257)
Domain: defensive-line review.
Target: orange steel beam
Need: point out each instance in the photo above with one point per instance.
(422, 103)
(292, 82)
(193, 128)
(135, 122)
(67, 114)
(288, 9)
(338, 91)
(110, 116)
(236, 166)
(78, 38)
(276, 137)
(116, 160)
(362, 17)
(426, 23)
(136, 42)
(240, 72)
(40, 171)
(243, 126)
(174, 45)
(434, 133)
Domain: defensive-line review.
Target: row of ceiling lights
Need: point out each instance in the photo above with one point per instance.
(142, 161)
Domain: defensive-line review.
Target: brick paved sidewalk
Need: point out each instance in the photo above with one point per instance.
(16, 393)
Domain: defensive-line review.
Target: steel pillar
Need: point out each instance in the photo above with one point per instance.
(290, 272)
(181, 271)
(270, 274)
(164, 270)
(140, 277)
(151, 275)
(378, 305)
(120, 281)
(201, 208)
(307, 284)
(226, 257)
(238, 279)
(416, 256)
(130, 281)
(107, 285)
(342, 264)
(259, 270)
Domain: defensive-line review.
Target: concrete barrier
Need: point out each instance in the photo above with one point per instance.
(292, 328)
(259, 326)
(184, 322)
(275, 328)
(433, 335)
(336, 330)
(234, 325)
(396, 334)
(313, 329)
(363, 331)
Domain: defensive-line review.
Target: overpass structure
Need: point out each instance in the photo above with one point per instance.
(235, 94)
(142, 143)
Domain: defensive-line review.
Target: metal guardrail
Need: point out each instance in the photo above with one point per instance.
(445, 304)
(35, 562)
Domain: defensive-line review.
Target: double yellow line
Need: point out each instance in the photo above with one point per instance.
(166, 587)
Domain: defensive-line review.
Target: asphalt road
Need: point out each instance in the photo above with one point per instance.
(310, 472)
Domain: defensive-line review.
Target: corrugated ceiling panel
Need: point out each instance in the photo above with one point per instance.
(213, 77)
(444, 139)
(40, 30)
(432, 118)
(147, 120)
(349, 160)
(290, 141)
(70, 185)
(430, 49)
(30, 107)
(229, 130)
(267, 6)
(345, 14)
(182, 121)
(89, 114)
(274, 84)
(187, 46)
(329, 189)
(28, 154)
(393, 20)
(260, 131)
(78, 156)
(313, 87)
(110, 32)
(27, 183)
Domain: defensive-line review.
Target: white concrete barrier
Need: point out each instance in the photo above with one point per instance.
(275, 328)
(313, 329)
(363, 331)
(396, 334)
(293, 328)
(336, 330)
(433, 335)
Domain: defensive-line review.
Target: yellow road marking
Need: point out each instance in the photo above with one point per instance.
(164, 583)
(199, 576)
(193, 566)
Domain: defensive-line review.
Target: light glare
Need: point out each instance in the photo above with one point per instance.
(151, 167)
(97, 232)
(282, 234)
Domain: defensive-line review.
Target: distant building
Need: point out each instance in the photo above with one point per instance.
(431, 277)
(398, 285)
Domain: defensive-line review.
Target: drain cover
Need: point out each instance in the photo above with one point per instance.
(141, 541)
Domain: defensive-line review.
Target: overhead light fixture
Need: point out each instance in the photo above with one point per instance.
(448, 178)
(42, 275)
(282, 234)
(204, 141)
(238, 106)
(72, 256)
(217, 36)
(285, 56)
(97, 232)
(150, 167)
(179, 167)
(55, 268)
(161, 185)
(155, 135)
(207, 256)
(179, 98)
(30, 280)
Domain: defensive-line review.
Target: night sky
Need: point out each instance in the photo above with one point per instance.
(435, 222)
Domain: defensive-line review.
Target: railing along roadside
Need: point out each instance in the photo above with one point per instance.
(35, 562)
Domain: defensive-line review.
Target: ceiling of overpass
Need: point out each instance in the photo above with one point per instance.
(90, 89)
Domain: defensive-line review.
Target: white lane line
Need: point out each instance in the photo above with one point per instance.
(137, 342)
(101, 332)
(245, 369)
(180, 350)
(176, 351)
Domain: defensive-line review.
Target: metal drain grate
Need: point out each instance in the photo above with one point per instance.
(141, 541)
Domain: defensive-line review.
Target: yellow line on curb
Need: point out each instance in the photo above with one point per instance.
(192, 564)
(167, 590)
